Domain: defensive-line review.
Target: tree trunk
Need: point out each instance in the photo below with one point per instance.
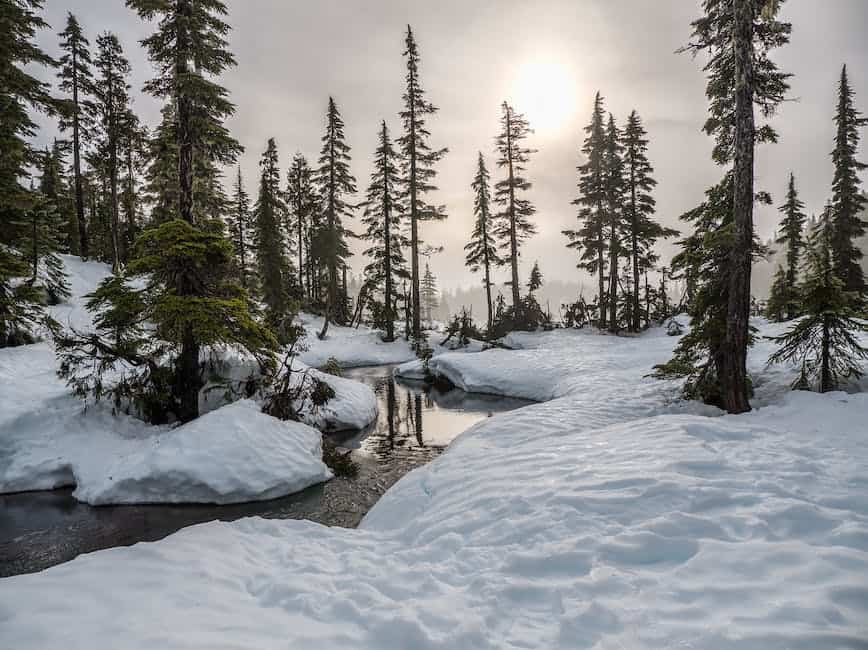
(601, 272)
(414, 216)
(825, 370)
(613, 276)
(634, 243)
(390, 316)
(76, 160)
(733, 380)
(513, 242)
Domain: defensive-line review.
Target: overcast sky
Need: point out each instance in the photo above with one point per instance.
(547, 57)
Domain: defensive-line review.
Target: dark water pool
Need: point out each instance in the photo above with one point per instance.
(415, 424)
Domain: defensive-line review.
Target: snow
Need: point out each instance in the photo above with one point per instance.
(607, 516)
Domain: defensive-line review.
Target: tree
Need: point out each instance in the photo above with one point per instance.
(824, 342)
(643, 230)
(111, 99)
(737, 36)
(590, 239)
(334, 181)
(302, 204)
(513, 225)
(54, 188)
(382, 215)
(241, 230)
(482, 248)
(778, 305)
(847, 201)
(613, 166)
(76, 79)
(430, 294)
(790, 236)
(417, 167)
(274, 273)
(536, 279)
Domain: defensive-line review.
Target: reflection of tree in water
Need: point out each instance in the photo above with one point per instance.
(399, 423)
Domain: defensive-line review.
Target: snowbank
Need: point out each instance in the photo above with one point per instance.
(606, 517)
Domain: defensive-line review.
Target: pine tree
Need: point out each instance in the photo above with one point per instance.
(334, 181)
(513, 225)
(417, 168)
(482, 248)
(790, 236)
(161, 174)
(272, 265)
(111, 99)
(76, 80)
(536, 279)
(382, 215)
(44, 228)
(613, 166)
(54, 188)
(590, 239)
(847, 201)
(824, 342)
(643, 230)
(302, 205)
(430, 294)
(241, 231)
(133, 149)
(780, 297)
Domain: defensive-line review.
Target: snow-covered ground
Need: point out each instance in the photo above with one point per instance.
(608, 516)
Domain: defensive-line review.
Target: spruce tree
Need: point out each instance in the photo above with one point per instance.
(790, 236)
(241, 230)
(513, 225)
(55, 189)
(482, 249)
(133, 147)
(42, 238)
(111, 99)
(382, 216)
(847, 200)
(780, 297)
(268, 214)
(430, 294)
(334, 181)
(825, 341)
(76, 80)
(590, 238)
(417, 168)
(302, 204)
(643, 230)
(613, 166)
(536, 279)
(161, 174)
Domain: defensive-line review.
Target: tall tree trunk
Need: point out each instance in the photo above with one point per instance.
(733, 380)
(76, 160)
(634, 244)
(301, 283)
(825, 370)
(414, 218)
(387, 214)
(601, 272)
(613, 275)
(513, 241)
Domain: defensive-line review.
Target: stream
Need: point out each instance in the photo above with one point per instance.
(414, 425)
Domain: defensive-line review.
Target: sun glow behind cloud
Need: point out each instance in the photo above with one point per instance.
(544, 90)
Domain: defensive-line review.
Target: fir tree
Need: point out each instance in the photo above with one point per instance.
(41, 240)
(241, 230)
(268, 213)
(790, 236)
(847, 201)
(536, 279)
(54, 188)
(824, 342)
(643, 230)
(382, 215)
(482, 249)
(430, 293)
(513, 224)
(780, 297)
(76, 80)
(161, 174)
(334, 181)
(613, 166)
(417, 167)
(133, 147)
(590, 238)
(302, 205)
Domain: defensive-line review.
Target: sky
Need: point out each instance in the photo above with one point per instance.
(547, 58)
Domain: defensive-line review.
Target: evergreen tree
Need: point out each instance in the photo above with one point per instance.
(241, 231)
(780, 297)
(54, 188)
(790, 236)
(417, 168)
(590, 238)
(133, 148)
(302, 204)
(613, 166)
(111, 99)
(824, 342)
(41, 240)
(268, 213)
(643, 230)
(847, 200)
(76, 80)
(513, 224)
(536, 279)
(430, 294)
(334, 181)
(161, 174)
(382, 215)
(482, 248)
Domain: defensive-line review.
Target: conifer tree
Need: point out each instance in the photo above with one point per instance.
(133, 147)
(790, 236)
(161, 174)
(382, 216)
(334, 181)
(430, 294)
(536, 279)
(44, 228)
(824, 342)
(268, 214)
(417, 168)
(482, 249)
(76, 80)
(54, 189)
(590, 238)
(241, 230)
(111, 99)
(847, 200)
(643, 230)
(513, 225)
(302, 204)
(613, 166)
(780, 297)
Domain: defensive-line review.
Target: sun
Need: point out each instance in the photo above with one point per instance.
(544, 90)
